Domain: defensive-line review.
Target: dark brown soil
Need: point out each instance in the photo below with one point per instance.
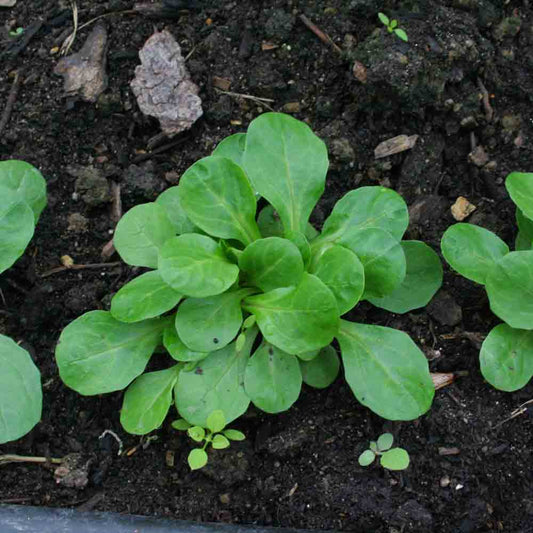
(300, 468)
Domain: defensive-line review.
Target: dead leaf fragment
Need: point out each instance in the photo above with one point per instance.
(266, 46)
(395, 145)
(462, 208)
(359, 71)
(221, 83)
(442, 379)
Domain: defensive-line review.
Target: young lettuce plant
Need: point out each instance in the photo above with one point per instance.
(506, 355)
(389, 458)
(246, 303)
(22, 198)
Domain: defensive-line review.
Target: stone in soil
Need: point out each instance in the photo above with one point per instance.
(444, 309)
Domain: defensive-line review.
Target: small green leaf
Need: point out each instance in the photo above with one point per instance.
(141, 233)
(385, 441)
(220, 442)
(232, 147)
(216, 421)
(249, 322)
(395, 459)
(196, 433)
(181, 424)
(393, 24)
(366, 458)
(175, 347)
(197, 459)
(403, 36)
(321, 371)
(308, 356)
(196, 266)
(240, 341)
(170, 200)
(374, 446)
(520, 188)
(269, 222)
(233, 434)
(384, 19)
(472, 250)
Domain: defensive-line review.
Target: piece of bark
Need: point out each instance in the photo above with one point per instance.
(163, 87)
(395, 145)
(85, 72)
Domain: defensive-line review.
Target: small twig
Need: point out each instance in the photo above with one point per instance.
(117, 202)
(6, 115)
(12, 458)
(520, 410)
(489, 112)
(69, 41)
(79, 267)
(158, 150)
(257, 99)
(190, 54)
(324, 37)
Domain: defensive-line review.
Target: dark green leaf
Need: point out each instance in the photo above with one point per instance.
(520, 188)
(525, 226)
(270, 224)
(321, 371)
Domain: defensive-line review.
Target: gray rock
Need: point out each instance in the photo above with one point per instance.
(140, 181)
(91, 185)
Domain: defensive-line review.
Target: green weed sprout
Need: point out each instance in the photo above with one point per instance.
(390, 458)
(392, 27)
(215, 434)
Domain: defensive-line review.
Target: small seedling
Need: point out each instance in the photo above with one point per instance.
(390, 458)
(392, 26)
(16, 32)
(214, 434)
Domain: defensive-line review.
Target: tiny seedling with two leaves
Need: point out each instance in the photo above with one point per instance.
(215, 434)
(389, 458)
(392, 27)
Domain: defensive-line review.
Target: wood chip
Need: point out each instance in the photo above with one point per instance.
(221, 83)
(442, 379)
(359, 71)
(449, 451)
(169, 458)
(395, 145)
(266, 46)
(462, 208)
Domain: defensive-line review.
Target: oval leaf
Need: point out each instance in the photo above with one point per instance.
(141, 233)
(395, 459)
(175, 347)
(297, 319)
(321, 371)
(197, 459)
(97, 354)
(181, 425)
(196, 433)
(272, 379)
(506, 357)
(233, 434)
(196, 266)
(384, 441)
(423, 278)
(232, 147)
(170, 200)
(216, 421)
(21, 396)
(287, 164)
(472, 250)
(366, 458)
(386, 370)
(220, 442)
(519, 185)
(147, 401)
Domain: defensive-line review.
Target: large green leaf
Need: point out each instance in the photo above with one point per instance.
(170, 200)
(287, 164)
(97, 354)
(141, 233)
(232, 147)
(525, 230)
(175, 347)
(272, 263)
(147, 401)
(520, 188)
(17, 224)
(506, 357)
(146, 296)
(523, 242)
(423, 279)
(321, 371)
(27, 182)
(272, 379)
(363, 208)
(472, 250)
(343, 273)
(386, 371)
(296, 319)
(218, 198)
(209, 324)
(21, 397)
(509, 287)
(196, 266)
(217, 382)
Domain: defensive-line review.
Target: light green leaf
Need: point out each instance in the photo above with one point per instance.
(26, 182)
(196, 266)
(384, 441)
(374, 446)
(196, 433)
(296, 319)
(366, 458)
(321, 371)
(97, 354)
(215, 383)
(301, 242)
(386, 371)
(146, 296)
(519, 185)
(343, 273)
(395, 459)
(287, 164)
(181, 424)
(506, 357)
(220, 442)
(232, 147)
(272, 379)
(218, 198)
(233, 434)
(401, 34)
(209, 324)
(21, 397)
(175, 347)
(393, 24)
(249, 322)
(239, 341)
(272, 263)
(509, 286)
(472, 250)
(423, 278)
(384, 19)
(197, 459)
(216, 421)
(141, 233)
(170, 200)
(147, 401)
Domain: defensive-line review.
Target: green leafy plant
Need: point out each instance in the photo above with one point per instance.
(506, 355)
(22, 198)
(389, 458)
(248, 304)
(214, 434)
(392, 27)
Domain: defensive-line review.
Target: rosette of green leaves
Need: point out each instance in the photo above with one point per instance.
(506, 355)
(247, 301)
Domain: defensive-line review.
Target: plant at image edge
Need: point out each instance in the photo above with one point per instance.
(506, 355)
(22, 198)
(248, 306)
(389, 458)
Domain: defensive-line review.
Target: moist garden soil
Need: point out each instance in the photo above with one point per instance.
(297, 469)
